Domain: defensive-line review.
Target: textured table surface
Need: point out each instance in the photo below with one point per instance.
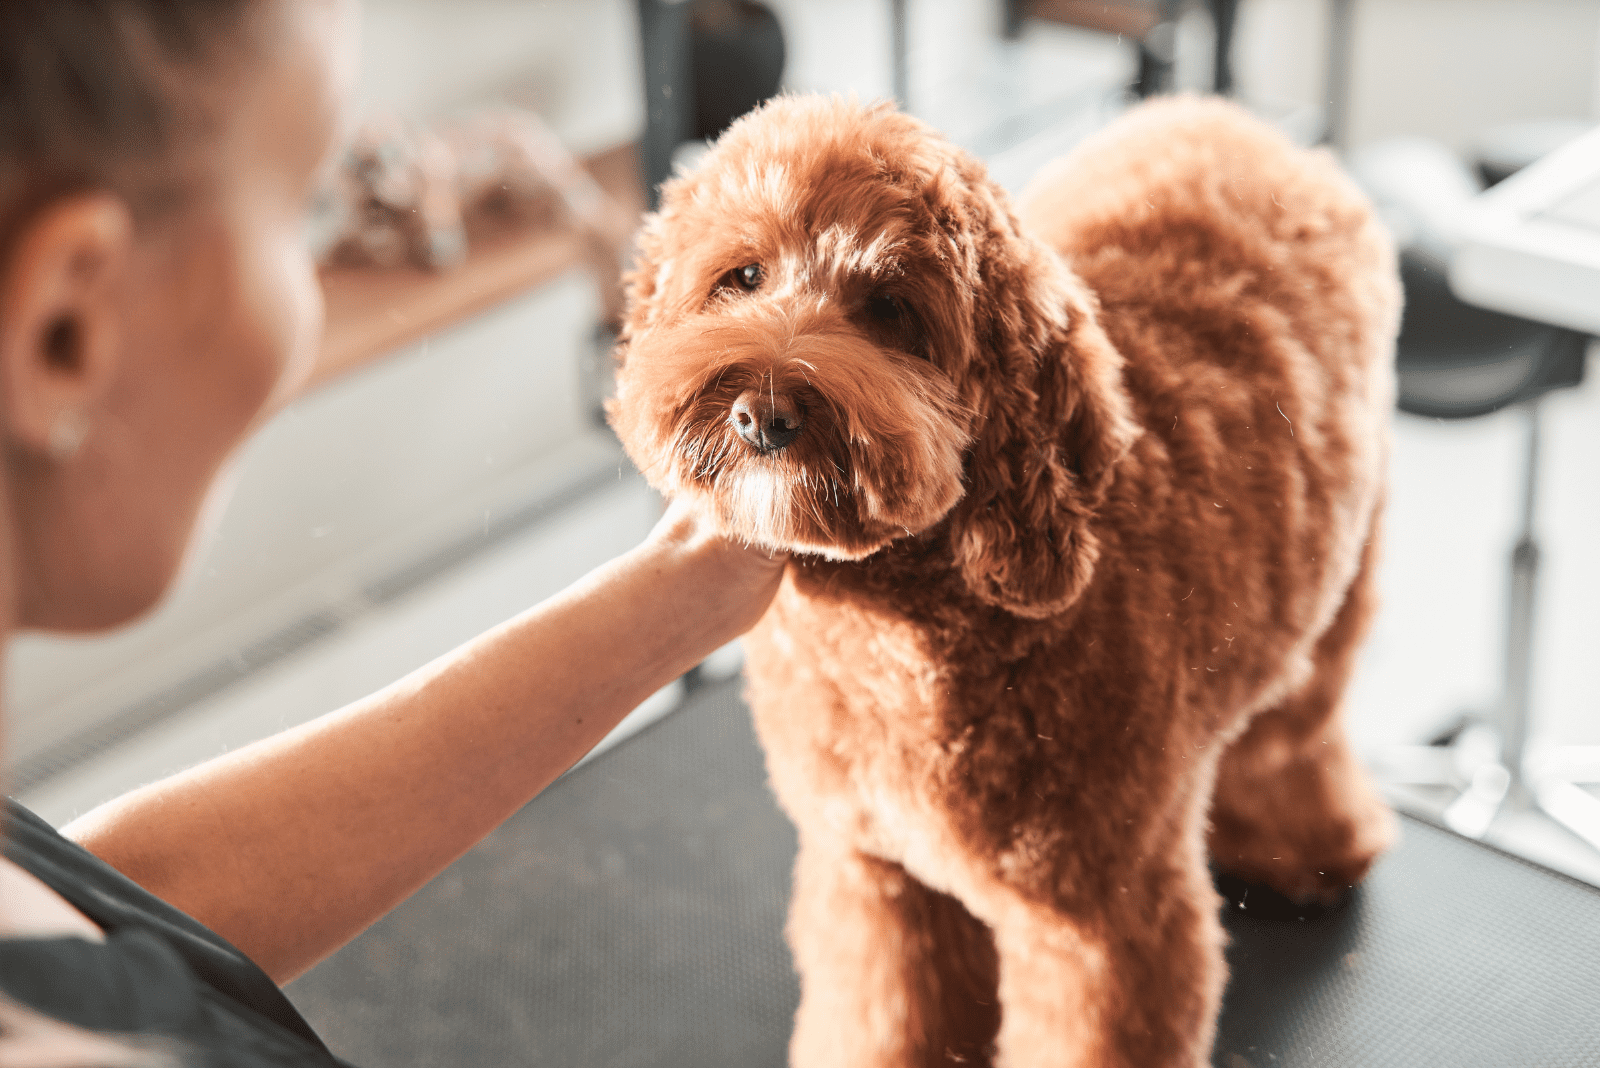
(633, 916)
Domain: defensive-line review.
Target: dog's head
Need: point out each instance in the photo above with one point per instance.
(837, 337)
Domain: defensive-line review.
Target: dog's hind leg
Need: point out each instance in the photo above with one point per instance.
(1293, 809)
(891, 972)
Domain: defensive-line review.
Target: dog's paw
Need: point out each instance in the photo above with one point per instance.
(1310, 857)
(1262, 902)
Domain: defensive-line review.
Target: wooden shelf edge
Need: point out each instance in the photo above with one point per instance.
(372, 312)
(1129, 18)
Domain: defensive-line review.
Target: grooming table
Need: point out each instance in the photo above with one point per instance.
(633, 916)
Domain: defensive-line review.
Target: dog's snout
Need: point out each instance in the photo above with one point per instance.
(767, 419)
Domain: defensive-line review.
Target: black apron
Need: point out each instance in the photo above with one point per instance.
(159, 974)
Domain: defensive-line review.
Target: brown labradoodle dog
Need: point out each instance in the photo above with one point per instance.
(1084, 502)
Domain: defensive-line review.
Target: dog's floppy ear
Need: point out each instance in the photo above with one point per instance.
(1057, 422)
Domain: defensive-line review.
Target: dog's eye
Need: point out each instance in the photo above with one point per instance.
(746, 279)
(894, 321)
(885, 309)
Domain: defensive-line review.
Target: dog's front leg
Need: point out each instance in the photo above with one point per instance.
(1130, 982)
(892, 974)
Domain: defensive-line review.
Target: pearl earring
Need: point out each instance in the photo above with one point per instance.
(67, 435)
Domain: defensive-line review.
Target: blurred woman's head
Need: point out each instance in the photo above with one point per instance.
(156, 295)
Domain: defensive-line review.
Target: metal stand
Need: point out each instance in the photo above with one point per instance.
(1223, 15)
(669, 85)
(1486, 757)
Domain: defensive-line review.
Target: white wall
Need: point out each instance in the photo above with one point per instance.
(1439, 68)
(836, 46)
(1594, 103)
(962, 78)
(574, 61)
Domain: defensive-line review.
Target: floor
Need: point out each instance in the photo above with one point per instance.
(631, 916)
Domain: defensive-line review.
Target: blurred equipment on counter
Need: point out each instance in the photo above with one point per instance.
(1532, 243)
(1152, 26)
(410, 196)
(395, 201)
(1422, 190)
(1504, 150)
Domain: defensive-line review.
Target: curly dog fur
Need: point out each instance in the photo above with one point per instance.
(1084, 500)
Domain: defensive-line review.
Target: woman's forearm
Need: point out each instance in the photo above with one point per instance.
(293, 845)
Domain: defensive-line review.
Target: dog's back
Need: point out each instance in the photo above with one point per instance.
(1254, 299)
(1190, 214)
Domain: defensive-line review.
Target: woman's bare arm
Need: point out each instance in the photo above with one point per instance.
(292, 846)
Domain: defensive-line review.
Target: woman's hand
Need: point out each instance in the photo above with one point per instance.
(736, 581)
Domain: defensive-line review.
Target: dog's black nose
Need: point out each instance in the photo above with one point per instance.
(767, 419)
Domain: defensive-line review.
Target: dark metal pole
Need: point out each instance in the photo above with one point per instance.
(1223, 15)
(1011, 15)
(668, 86)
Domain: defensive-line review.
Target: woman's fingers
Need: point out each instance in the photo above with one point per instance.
(737, 580)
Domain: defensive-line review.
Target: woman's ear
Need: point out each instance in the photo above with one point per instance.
(61, 321)
(1057, 422)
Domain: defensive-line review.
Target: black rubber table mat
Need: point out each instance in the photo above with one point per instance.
(633, 916)
(1450, 953)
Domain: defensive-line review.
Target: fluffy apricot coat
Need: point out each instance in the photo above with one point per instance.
(1084, 499)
